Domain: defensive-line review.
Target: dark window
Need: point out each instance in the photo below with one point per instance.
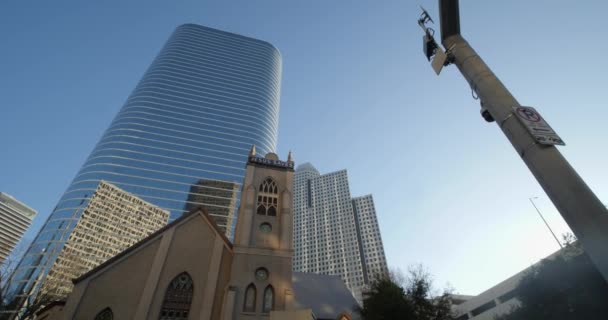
(507, 296)
(178, 298)
(272, 211)
(483, 308)
(309, 197)
(261, 210)
(105, 314)
(266, 227)
(250, 295)
(268, 198)
(269, 186)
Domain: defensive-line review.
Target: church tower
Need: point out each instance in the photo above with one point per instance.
(261, 275)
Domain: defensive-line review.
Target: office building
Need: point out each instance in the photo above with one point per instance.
(498, 300)
(219, 197)
(111, 221)
(15, 218)
(206, 98)
(334, 233)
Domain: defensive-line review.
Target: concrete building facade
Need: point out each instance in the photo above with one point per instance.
(15, 218)
(335, 234)
(110, 222)
(497, 300)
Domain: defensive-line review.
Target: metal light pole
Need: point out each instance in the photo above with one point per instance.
(578, 205)
(545, 221)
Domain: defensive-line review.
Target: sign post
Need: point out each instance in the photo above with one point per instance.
(533, 140)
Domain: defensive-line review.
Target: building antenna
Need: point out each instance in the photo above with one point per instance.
(545, 221)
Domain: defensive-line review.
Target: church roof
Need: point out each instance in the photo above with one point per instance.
(196, 211)
(327, 296)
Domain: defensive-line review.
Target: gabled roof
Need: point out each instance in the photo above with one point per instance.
(201, 211)
(327, 296)
(56, 303)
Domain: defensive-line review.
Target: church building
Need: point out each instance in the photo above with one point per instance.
(190, 270)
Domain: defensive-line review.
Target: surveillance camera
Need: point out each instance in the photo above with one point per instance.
(428, 46)
(486, 115)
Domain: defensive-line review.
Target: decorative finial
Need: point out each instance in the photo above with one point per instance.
(252, 151)
(289, 157)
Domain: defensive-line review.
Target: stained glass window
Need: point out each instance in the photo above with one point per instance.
(268, 299)
(249, 303)
(105, 314)
(178, 298)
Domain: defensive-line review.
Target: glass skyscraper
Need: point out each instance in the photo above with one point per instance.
(208, 96)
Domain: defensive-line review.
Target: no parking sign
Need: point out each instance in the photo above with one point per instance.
(537, 126)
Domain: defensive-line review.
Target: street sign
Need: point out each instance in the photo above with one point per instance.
(537, 126)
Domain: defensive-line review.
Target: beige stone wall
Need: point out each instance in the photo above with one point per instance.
(118, 287)
(243, 274)
(246, 233)
(222, 284)
(134, 286)
(256, 249)
(190, 251)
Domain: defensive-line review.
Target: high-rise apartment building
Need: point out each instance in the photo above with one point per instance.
(370, 241)
(335, 234)
(15, 218)
(111, 221)
(206, 98)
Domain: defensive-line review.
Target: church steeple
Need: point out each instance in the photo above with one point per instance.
(263, 240)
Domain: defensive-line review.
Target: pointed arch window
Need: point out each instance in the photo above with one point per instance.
(268, 198)
(178, 298)
(250, 296)
(272, 211)
(105, 314)
(269, 186)
(268, 299)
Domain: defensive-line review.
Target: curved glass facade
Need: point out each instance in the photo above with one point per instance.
(181, 140)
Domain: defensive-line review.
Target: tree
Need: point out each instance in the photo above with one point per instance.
(8, 306)
(408, 298)
(386, 300)
(6, 273)
(20, 309)
(567, 286)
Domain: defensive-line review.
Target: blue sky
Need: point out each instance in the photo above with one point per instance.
(357, 93)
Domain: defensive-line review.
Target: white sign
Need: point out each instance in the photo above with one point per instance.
(439, 60)
(537, 126)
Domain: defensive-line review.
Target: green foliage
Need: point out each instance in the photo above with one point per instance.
(388, 299)
(565, 287)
